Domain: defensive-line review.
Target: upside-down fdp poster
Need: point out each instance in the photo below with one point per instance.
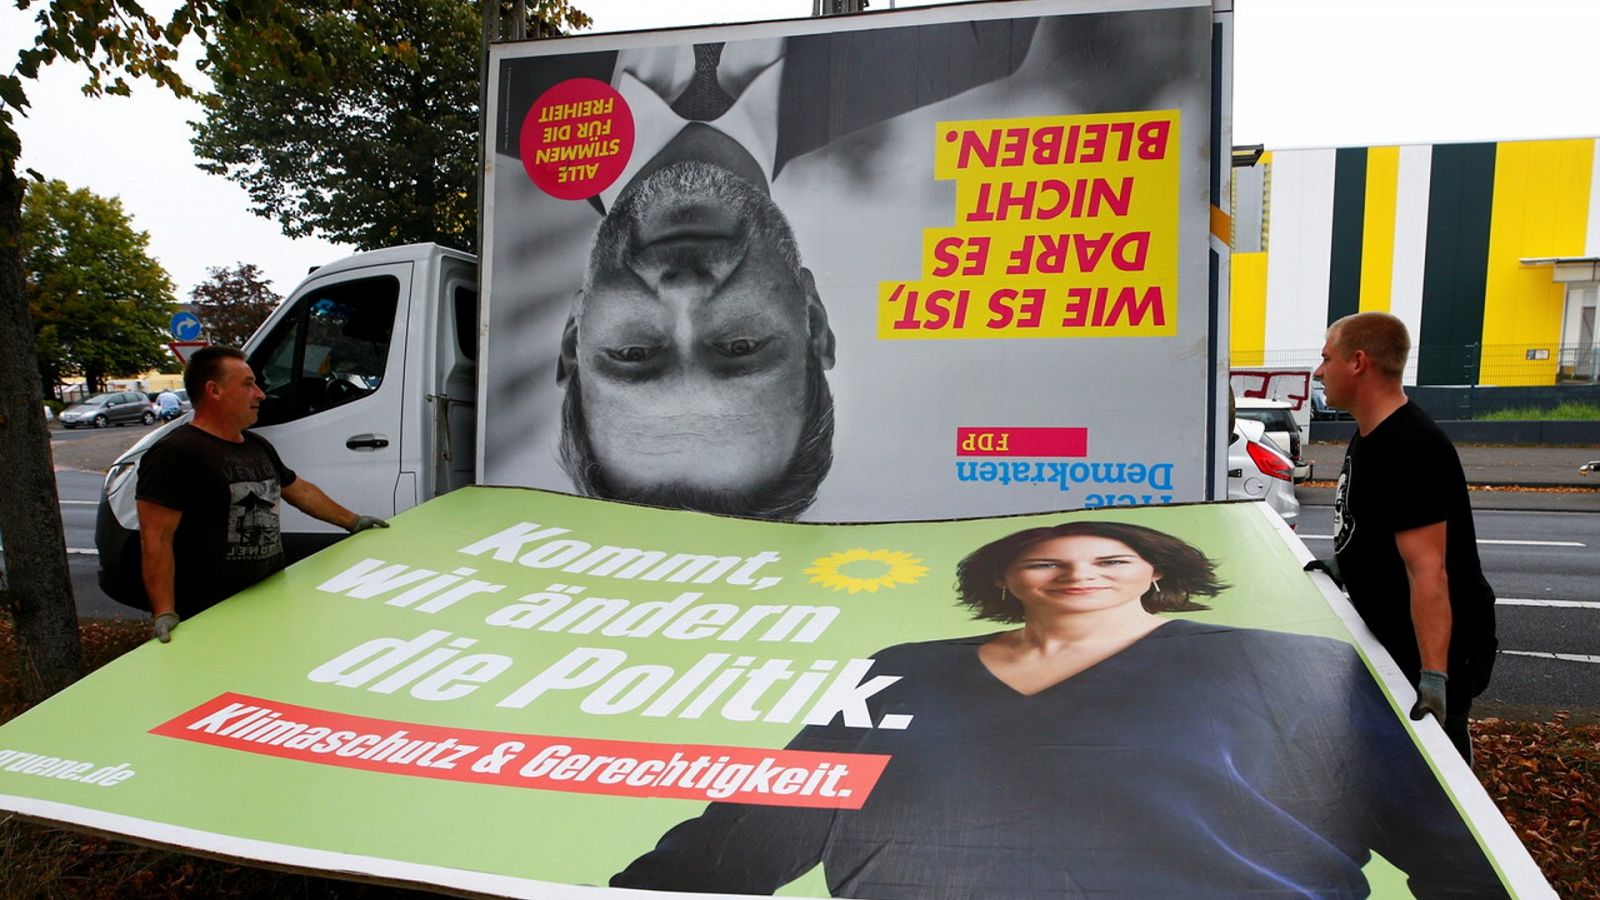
(934, 262)
(526, 693)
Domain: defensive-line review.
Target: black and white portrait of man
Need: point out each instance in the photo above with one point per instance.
(699, 334)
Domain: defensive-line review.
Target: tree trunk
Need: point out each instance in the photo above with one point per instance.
(39, 592)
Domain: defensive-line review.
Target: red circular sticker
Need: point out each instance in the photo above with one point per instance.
(576, 139)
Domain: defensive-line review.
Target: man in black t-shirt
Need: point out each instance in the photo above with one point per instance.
(208, 497)
(1404, 537)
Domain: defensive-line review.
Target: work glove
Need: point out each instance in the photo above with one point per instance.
(1430, 695)
(164, 625)
(1330, 566)
(362, 523)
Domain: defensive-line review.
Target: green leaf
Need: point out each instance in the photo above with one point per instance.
(11, 93)
(96, 296)
(356, 122)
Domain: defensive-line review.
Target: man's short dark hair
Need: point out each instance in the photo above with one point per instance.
(1380, 335)
(782, 498)
(205, 365)
(1185, 571)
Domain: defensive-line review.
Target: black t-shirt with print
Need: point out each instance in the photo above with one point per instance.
(1405, 474)
(228, 493)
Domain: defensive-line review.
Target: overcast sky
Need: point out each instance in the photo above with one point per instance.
(1306, 74)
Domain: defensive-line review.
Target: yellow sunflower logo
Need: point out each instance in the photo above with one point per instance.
(866, 570)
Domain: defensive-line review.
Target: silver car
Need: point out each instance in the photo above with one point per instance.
(116, 408)
(1278, 417)
(183, 403)
(1258, 470)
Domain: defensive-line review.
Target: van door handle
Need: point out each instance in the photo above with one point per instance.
(367, 442)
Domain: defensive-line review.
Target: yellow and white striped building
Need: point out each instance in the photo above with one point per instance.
(1490, 253)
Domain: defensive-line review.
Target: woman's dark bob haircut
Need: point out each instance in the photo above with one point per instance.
(1185, 571)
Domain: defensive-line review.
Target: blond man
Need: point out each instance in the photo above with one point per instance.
(1404, 536)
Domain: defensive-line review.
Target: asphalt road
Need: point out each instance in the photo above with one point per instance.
(1544, 566)
(93, 449)
(1545, 569)
(80, 499)
(81, 456)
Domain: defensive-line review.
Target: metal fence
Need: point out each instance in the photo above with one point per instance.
(73, 393)
(1580, 363)
(1508, 365)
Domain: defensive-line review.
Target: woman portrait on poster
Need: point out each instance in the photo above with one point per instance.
(1103, 748)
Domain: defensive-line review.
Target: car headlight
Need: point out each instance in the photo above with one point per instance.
(117, 478)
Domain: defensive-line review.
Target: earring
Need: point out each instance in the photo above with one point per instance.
(1003, 595)
(1155, 586)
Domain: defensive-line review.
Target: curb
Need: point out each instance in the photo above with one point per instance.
(1591, 487)
(1534, 485)
(1507, 498)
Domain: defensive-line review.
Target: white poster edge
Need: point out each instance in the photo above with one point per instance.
(332, 863)
(1506, 851)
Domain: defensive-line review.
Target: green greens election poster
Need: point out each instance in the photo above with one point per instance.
(514, 692)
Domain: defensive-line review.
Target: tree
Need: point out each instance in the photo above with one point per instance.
(368, 135)
(112, 40)
(109, 39)
(232, 303)
(100, 304)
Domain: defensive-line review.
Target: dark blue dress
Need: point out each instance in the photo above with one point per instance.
(1200, 761)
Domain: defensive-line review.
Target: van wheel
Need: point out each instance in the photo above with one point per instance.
(101, 421)
(149, 417)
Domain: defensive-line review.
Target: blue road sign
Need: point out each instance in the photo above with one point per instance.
(185, 326)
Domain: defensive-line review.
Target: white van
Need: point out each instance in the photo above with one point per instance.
(370, 375)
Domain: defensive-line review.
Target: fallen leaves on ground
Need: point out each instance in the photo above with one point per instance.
(1541, 489)
(1544, 777)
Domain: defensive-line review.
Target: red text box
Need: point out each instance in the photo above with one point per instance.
(1002, 441)
(576, 765)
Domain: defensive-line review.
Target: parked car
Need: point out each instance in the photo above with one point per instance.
(1257, 470)
(1278, 417)
(1321, 411)
(183, 402)
(116, 408)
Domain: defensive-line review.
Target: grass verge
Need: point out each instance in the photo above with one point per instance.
(1564, 412)
(1544, 776)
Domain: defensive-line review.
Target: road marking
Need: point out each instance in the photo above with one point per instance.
(1329, 537)
(1523, 601)
(80, 502)
(1564, 657)
(83, 551)
(1534, 543)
